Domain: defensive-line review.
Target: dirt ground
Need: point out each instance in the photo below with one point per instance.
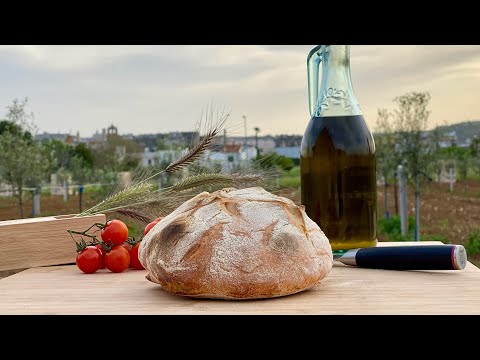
(49, 205)
(453, 215)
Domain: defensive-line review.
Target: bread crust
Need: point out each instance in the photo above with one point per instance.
(236, 244)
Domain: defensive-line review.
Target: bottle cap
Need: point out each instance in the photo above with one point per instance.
(459, 257)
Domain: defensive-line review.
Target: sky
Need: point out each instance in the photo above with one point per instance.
(163, 88)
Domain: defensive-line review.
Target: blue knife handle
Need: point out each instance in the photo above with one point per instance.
(416, 257)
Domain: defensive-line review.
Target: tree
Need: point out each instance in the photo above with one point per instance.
(475, 146)
(386, 156)
(80, 171)
(436, 162)
(117, 154)
(273, 160)
(257, 130)
(475, 152)
(162, 144)
(23, 162)
(81, 164)
(7, 126)
(411, 120)
(462, 161)
(59, 154)
(66, 160)
(463, 158)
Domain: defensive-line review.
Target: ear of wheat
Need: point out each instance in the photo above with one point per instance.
(139, 199)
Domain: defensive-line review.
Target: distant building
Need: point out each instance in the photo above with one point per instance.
(66, 138)
(287, 141)
(173, 139)
(292, 152)
(112, 130)
(266, 144)
(448, 139)
(233, 152)
(158, 157)
(98, 137)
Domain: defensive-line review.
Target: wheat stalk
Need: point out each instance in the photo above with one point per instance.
(134, 214)
(121, 199)
(168, 199)
(214, 179)
(138, 199)
(194, 154)
(214, 127)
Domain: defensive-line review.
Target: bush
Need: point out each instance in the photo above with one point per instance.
(392, 228)
(473, 243)
(291, 178)
(435, 237)
(273, 160)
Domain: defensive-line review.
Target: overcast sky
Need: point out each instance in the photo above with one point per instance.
(153, 89)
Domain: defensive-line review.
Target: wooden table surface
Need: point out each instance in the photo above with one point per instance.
(346, 290)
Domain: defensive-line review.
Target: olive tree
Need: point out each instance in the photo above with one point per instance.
(415, 148)
(387, 159)
(23, 162)
(475, 153)
(437, 163)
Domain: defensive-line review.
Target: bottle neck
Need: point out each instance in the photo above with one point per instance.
(336, 96)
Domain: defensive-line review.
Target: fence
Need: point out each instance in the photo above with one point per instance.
(65, 191)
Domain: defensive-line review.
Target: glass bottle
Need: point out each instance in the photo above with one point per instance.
(337, 161)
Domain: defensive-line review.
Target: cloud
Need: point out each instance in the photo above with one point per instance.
(164, 88)
(74, 57)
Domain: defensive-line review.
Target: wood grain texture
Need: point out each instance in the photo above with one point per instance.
(346, 290)
(42, 241)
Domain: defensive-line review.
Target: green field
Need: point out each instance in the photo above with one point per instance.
(291, 178)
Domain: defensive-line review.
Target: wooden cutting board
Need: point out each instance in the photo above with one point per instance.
(41, 241)
(346, 290)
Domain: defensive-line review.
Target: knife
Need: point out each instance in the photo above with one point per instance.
(416, 257)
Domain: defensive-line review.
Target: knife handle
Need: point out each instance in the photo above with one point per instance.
(416, 257)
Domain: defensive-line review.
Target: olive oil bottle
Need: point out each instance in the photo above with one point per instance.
(338, 165)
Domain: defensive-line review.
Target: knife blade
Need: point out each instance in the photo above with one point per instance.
(416, 257)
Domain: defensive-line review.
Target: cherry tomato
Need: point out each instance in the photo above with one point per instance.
(114, 233)
(134, 262)
(103, 252)
(127, 246)
(149, 227)
(117, 259)
(89, 260)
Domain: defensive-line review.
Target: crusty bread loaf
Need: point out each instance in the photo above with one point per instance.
(236, 244)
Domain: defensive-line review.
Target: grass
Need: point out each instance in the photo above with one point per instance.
(391, 229)
(291, 178)
(473, 243)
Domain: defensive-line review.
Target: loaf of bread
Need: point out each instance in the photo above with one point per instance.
(236, 244)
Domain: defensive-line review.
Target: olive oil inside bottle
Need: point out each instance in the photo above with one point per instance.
(338, 180)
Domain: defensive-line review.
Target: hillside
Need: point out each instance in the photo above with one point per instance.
(464, 130)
